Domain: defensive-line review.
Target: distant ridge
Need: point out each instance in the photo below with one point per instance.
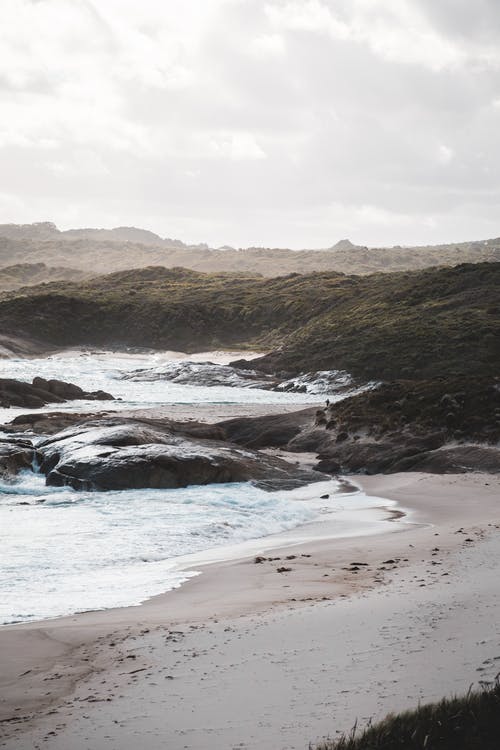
(344, 245)
(98, 251)
(47, 230)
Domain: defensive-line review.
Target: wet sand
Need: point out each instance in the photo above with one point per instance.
(246, 656)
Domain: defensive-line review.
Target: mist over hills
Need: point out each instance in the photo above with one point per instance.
(107, 250)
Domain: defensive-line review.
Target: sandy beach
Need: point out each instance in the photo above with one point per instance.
(244, 656)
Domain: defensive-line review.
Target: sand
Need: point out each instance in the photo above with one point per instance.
(245, 657)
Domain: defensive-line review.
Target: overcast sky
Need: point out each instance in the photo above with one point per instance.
(254, 122)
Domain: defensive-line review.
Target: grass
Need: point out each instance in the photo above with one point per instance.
(471, 722)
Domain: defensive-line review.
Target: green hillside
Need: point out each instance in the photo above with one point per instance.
(427, 323)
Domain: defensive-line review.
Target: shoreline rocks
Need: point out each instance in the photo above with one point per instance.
(235, 375)
(42, 392)
(15, 455)
(446, 425)
(117, 454)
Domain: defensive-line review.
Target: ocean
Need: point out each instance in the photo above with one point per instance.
(63, 551)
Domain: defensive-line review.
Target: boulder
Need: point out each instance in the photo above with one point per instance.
(117, 454)
(63, 391)
(69, 391)
(41, 392)
(270, 431)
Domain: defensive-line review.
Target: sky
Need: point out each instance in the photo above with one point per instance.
(278, 123)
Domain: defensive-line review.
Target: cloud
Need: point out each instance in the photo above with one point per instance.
(276, 122)
(269, 45)
(445, 154)
(396, 31)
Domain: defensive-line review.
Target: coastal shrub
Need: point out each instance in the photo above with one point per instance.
(421, 324)
(471, 722)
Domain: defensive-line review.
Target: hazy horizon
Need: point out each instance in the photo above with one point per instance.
(273, 123)
(236, 247)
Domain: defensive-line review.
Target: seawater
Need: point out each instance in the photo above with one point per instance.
(94, 371)
(63, 551)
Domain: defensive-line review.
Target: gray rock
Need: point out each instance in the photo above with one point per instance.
(15, 456)
(270, 431)
(116, 454)
(41, 392)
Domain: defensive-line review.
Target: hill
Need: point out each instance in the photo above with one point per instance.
(419, 324)
(107, 250)
(26, 274)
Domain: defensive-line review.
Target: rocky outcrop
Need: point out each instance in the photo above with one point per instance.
(376, 457)
(270, 431)
(41, 392)
(117, 454)
(46, 423)
(464, 409)
(456, 459)
(442, 426)
(207, 374)
(21, 346)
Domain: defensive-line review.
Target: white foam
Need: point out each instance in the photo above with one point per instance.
(63, 551)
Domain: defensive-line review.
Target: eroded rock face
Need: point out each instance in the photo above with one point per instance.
(41, 392)
(116, 454)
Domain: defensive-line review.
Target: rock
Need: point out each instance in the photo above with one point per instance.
(64, 391)
(116, 454)
(204, 374)
(453, 460)
(311, 441)
(320, 418)
(408, 407)
(41, 392)
(15, 456)
(273, 431)
(46, 423)
(374, 457)
(69, 391)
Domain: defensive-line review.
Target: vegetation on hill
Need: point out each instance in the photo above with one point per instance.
(413, 324)
(464, 408)
(106, 250)
(416, 324)
(24, 274)
(468, 723)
